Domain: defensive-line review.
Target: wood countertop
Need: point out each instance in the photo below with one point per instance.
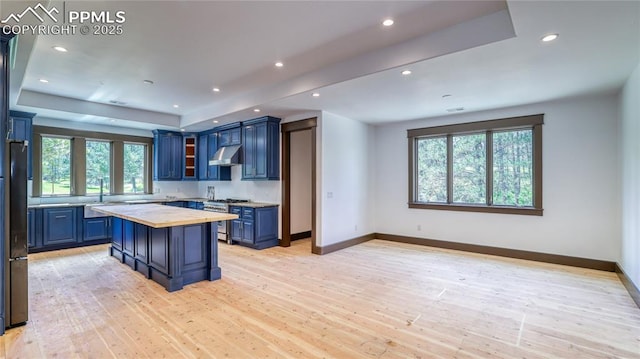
(159, 216)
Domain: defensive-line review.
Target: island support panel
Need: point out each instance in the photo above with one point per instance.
(172, 256)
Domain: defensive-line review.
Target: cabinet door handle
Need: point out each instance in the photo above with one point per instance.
(60, 217)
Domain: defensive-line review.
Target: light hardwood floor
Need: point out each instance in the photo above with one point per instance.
(375, 300)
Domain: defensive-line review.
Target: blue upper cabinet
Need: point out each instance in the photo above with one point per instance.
(229, 135)
(167, 155)
(261, 149)
(207, 147)
(20, 129)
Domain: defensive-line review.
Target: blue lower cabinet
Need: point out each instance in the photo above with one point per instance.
(60, 226)
(255, 227)
(176, 203)
(117, 233)
(172, 256)
(97, 229)
(195, 205)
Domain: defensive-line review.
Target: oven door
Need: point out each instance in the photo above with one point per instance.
(222, 230)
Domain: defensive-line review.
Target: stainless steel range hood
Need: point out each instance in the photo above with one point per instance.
(226, 156)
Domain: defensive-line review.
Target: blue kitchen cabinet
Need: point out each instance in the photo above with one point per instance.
(255, 227)
(21, 129)
(261, 149)
(207, 147)
(123, 245)
(117, 233)
(60, 226)
(176, 203)
(195, 205)
(96, 229)
(229, 135)
(167, 155)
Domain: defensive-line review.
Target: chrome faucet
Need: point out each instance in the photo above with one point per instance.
(101, 189)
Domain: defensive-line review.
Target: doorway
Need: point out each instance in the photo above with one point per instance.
(300, 196)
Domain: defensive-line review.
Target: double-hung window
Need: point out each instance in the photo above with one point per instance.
(490, 166)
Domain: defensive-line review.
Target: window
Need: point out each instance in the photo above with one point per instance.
(134, 167)
(56, 166)
(75, 162)
(490, 166)
(98, 167)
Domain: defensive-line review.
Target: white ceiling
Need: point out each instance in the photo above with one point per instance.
(484, 54)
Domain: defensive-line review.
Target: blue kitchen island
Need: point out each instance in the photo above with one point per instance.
(172, 246)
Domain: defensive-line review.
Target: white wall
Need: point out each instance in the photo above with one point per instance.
(630, 133)
(301, 181)
(581, 196)
(257, 191)
(346, 199)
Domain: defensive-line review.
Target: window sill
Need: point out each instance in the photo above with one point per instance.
(529, 211)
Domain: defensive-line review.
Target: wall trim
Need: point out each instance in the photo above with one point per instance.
(345, 244)
(300, 235)
(634, 292)
(505, 252)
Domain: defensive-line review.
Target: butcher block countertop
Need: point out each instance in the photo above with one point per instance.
(159, 216)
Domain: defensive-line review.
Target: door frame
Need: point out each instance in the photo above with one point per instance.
(286, 129)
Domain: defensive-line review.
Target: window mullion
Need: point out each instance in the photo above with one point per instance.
(449, 169)
(489, 168)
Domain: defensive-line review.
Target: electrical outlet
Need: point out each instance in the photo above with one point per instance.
(419, 227)
(355, 228)
(329, 194)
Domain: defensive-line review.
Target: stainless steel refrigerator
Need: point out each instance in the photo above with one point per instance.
(16, 243)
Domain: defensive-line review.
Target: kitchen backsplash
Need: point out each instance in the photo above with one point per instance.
(257, 191)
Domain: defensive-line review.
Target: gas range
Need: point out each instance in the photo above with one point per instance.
(222, 205)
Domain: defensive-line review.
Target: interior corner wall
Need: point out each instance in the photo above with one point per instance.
(581, 197)
(630, 158)
(346, 187)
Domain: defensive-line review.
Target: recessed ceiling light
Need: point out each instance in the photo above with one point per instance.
(256, 110)
(315, 94)
(60, 48)
(215, 89)
(215, 121)
(148, 82)
(44, 81)
(112, 120)
(406, 72)
(279, 64)
(387, 22)
(182, 129)
(176, 106)
(549, 37)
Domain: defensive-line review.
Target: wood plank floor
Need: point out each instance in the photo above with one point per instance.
(375, 300)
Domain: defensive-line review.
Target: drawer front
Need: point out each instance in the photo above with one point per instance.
(235, 210)
(247, 214)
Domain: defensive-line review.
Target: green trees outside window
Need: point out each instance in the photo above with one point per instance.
(488, 166)
(56, 166)
(98, 166)
(134, 167)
